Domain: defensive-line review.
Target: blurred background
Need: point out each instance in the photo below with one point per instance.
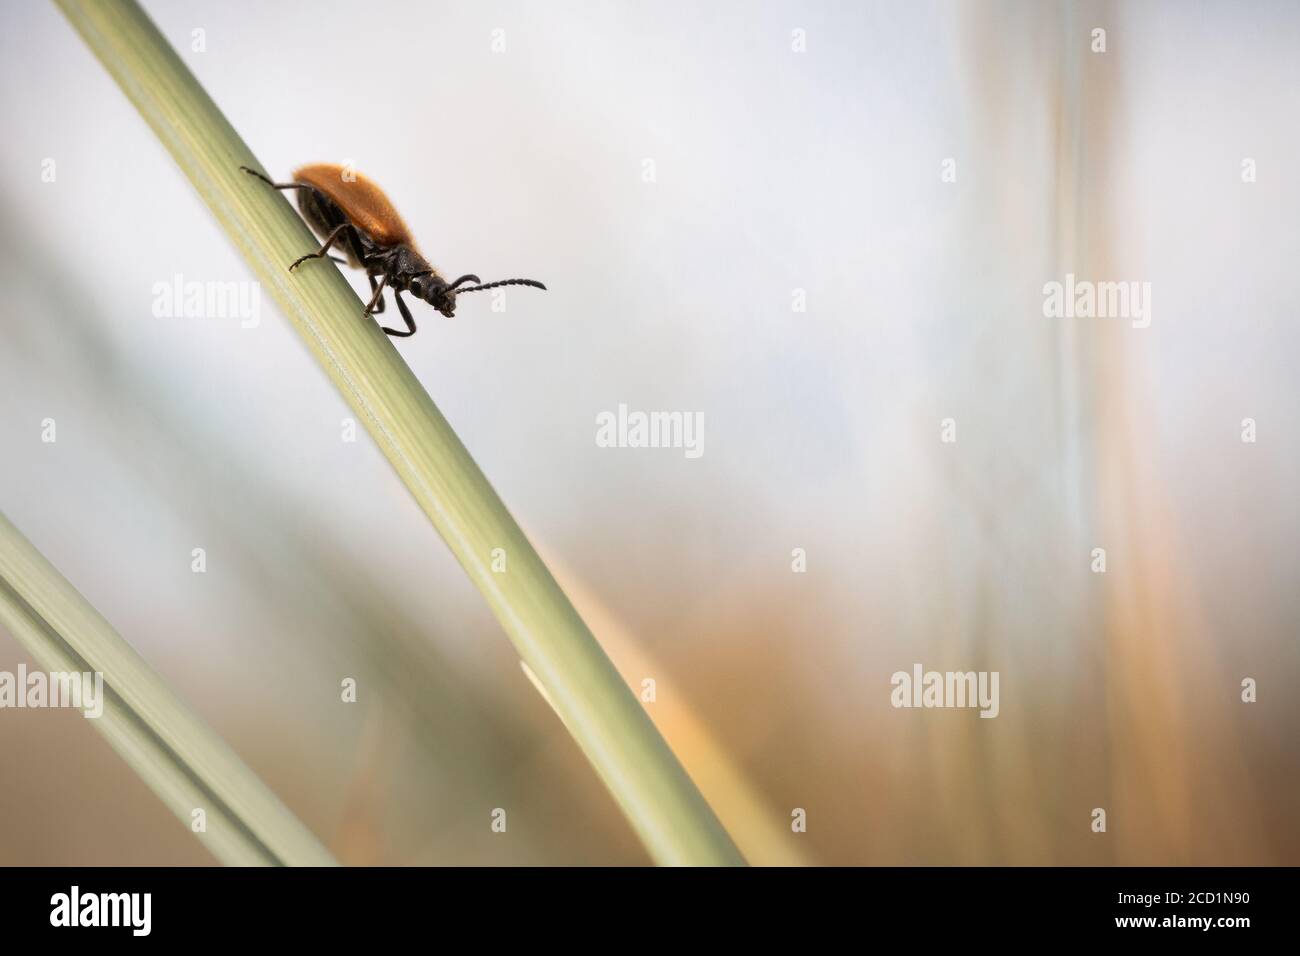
(684, 177)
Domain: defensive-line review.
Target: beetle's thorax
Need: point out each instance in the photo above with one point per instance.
(404, 264)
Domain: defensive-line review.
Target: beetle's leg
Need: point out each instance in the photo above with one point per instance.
(254, 172)
(406, 317)
(357, 251)
(374, 287)
(323, 251)
(377, 297)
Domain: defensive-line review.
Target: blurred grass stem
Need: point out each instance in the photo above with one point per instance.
(178, 756)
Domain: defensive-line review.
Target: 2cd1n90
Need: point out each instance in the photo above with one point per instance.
(350, 211)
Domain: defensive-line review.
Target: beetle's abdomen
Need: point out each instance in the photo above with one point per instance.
(358, 199)
(324, 216)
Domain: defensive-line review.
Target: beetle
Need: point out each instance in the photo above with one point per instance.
(347, 209)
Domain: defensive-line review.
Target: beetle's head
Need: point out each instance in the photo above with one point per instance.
(433, 289)
(441, 294)
(438, 292)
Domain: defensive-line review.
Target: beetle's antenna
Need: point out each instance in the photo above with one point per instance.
(492, 285)
(462, 280)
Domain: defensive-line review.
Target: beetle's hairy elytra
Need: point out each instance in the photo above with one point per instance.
(347, 209)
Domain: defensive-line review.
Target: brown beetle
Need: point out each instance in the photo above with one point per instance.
(346, 208)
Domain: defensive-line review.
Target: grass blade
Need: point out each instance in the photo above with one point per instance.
(660, 801)
(176, 754)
